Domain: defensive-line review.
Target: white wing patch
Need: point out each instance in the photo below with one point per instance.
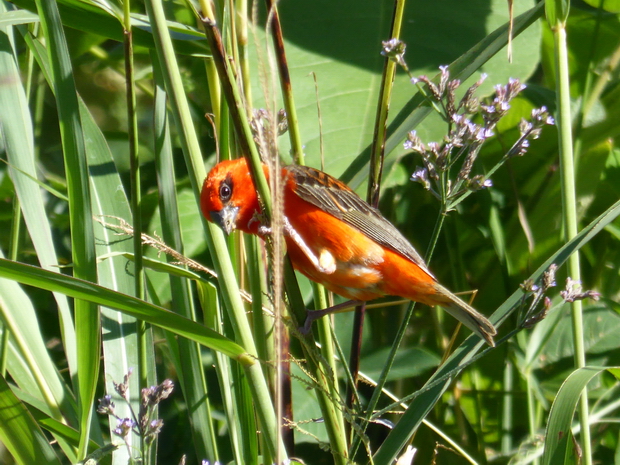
(325, 263)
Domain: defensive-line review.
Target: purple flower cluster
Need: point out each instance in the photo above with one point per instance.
(470, 124)
(144, 424)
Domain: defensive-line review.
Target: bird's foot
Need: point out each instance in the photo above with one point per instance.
(312, 315)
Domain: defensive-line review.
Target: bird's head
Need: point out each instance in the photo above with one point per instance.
(229, 198)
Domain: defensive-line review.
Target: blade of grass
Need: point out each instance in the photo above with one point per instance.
(68, 437)
(79, 289)
(120, 344)
(19, 317)
(285, 81)
(559, 446)
(207, 294)
(87, 319)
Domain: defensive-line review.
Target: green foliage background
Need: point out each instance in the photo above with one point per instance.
(495, 411)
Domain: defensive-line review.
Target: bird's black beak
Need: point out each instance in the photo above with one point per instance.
(226, 218)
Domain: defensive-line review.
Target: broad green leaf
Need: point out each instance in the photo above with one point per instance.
(307, 411)
(608, 5)
(601, 327)
(408, 362)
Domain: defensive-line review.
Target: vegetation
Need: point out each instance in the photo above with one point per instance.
(134, 331)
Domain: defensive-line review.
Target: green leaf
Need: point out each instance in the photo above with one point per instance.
(119, 331)
(612, 6)
(557, 12)
(409, 362)
(20, 433)
(87, 318)
(615, 372)
(13, 18)
(559, 441)
(129, 305)
(345, 55)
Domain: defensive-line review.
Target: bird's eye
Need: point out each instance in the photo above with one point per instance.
(225, 192)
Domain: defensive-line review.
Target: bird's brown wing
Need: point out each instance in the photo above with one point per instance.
(338, 199)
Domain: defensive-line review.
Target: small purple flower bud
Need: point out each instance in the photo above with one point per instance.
(414, 143)
(574, 292)
(124, 427)
(106, 405)
(421, 175)
(483, 133)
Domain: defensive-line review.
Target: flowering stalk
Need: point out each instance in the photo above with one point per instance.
(144, 424)
(462, 144)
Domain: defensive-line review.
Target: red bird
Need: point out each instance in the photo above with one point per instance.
(334, 238)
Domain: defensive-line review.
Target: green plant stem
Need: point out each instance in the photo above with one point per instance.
(531, 410)
(377, 154)
(215, 94)
(285, 81)
(242, 44)
(236, 106)
(507, 420)
(569, 208)
(136, 200)
(335, 421)
(385, 96)
(191, 372)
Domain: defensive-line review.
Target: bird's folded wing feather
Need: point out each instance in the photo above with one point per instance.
(337, 199)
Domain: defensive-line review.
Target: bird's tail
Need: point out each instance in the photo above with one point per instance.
(466, 314)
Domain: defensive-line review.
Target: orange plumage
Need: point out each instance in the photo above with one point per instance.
(334, 238)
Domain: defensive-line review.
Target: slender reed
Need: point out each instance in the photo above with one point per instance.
(557, 14)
